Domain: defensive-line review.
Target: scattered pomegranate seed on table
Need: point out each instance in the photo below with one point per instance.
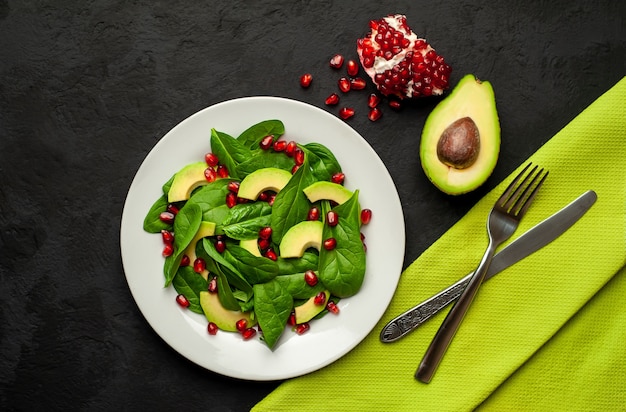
(336, 61)
(374, 114)
(305, 80)
(373, 100)
(352, 68)
(344, 84)
(346, 112)
(332, 100)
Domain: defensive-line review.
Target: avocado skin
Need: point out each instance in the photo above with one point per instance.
(470, 98)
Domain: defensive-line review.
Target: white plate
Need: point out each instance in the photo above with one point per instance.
(330, 337)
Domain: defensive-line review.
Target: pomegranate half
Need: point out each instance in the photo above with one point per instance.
(399, 62)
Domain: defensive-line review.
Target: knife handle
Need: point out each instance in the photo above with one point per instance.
(414, 317)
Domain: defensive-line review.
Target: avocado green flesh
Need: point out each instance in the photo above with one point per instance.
(470, 98)
(308, 310)
(224, 319)
(261, 180)
(186, 180)
(323, 190)
(300, 237)
(206, 229)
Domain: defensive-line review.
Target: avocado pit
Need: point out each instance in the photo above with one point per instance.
(459, 144)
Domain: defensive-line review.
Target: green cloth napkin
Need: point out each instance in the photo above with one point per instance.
(548, 333)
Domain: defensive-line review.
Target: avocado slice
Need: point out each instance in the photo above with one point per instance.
(206, 229)
(300, 237)
(224, 319)
(251, 245)
(460, 141)
(324, 190)
(186, 180)
(268, 178)
(308, 310)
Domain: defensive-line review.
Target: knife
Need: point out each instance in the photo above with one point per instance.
(531, 241)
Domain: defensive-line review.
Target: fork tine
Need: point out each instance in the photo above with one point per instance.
(507, 193)
(531, 197)
(519, 193)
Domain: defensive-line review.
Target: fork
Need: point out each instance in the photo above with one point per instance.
(503, 220)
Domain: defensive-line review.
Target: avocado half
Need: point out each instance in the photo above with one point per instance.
(460, 141)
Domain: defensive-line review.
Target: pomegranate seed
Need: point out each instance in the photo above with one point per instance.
(292, 319)
(330, 243)
(212, 287)
(336, 61)
(168, 237)
(270, 200)
(298, 156)
(358, 83)
(279, 145)
(314, 214)
(263, 196)
(185, 261)
(294, 169)
(332, 218)
(310, 278)
(231, 199)
(248, 333)
(211, 159)
(212, 328)
(210, 174)
(290, 148)
(374, 114)
(373, 100)
(320, 299)
(167, 217)
(305, 80)
(264, 244)
(332, 100)
(366, 216)
(265, 232)
(168, 250)
(332, 307)
(233, 187)
(172, 209)
(344, 84)
(352, 67)
(220, 245)
(182, 301)
(302, 328)
(338, 178)
(270, 254)
(241, 325)
(222, 171)
(199, 265)
(266, 142)
(346, 113)
(395, 104)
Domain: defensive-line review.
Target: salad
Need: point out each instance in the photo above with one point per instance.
(261, 234)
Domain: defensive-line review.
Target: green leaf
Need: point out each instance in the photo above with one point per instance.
(263, 159)
(255, 269)
(342, 269)
(152, 223)
(291, 204)
(245, 220)
(289, 266)
(272, 305)
(323, 162)
(252, 136)
(297, 286)
(229, 150)
(211, 199)
(190, 284)
(232, 274)
(186, 226)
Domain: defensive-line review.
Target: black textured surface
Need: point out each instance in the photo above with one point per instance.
(88, 87)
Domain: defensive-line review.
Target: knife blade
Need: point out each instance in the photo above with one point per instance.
(531, 241)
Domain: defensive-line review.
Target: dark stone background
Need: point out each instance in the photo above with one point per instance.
(88, 87)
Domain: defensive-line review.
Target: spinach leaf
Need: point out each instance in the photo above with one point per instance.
(342, 269)
(211, 199)
(252, 136)
(229, 150)
(263, 159)
(225, 293)
(186, 226)
(190, 284)
(152, 223)
(272, 305)
(232, 274)
(323, 162)
(255, 269)
(291, 204)
(245, 220)
(167, 185)
(297, 287)
(170, 267)
(289, 266)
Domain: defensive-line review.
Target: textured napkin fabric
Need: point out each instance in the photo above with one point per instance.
(548, 333)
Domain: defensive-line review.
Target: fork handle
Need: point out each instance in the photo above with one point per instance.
(451, 323)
